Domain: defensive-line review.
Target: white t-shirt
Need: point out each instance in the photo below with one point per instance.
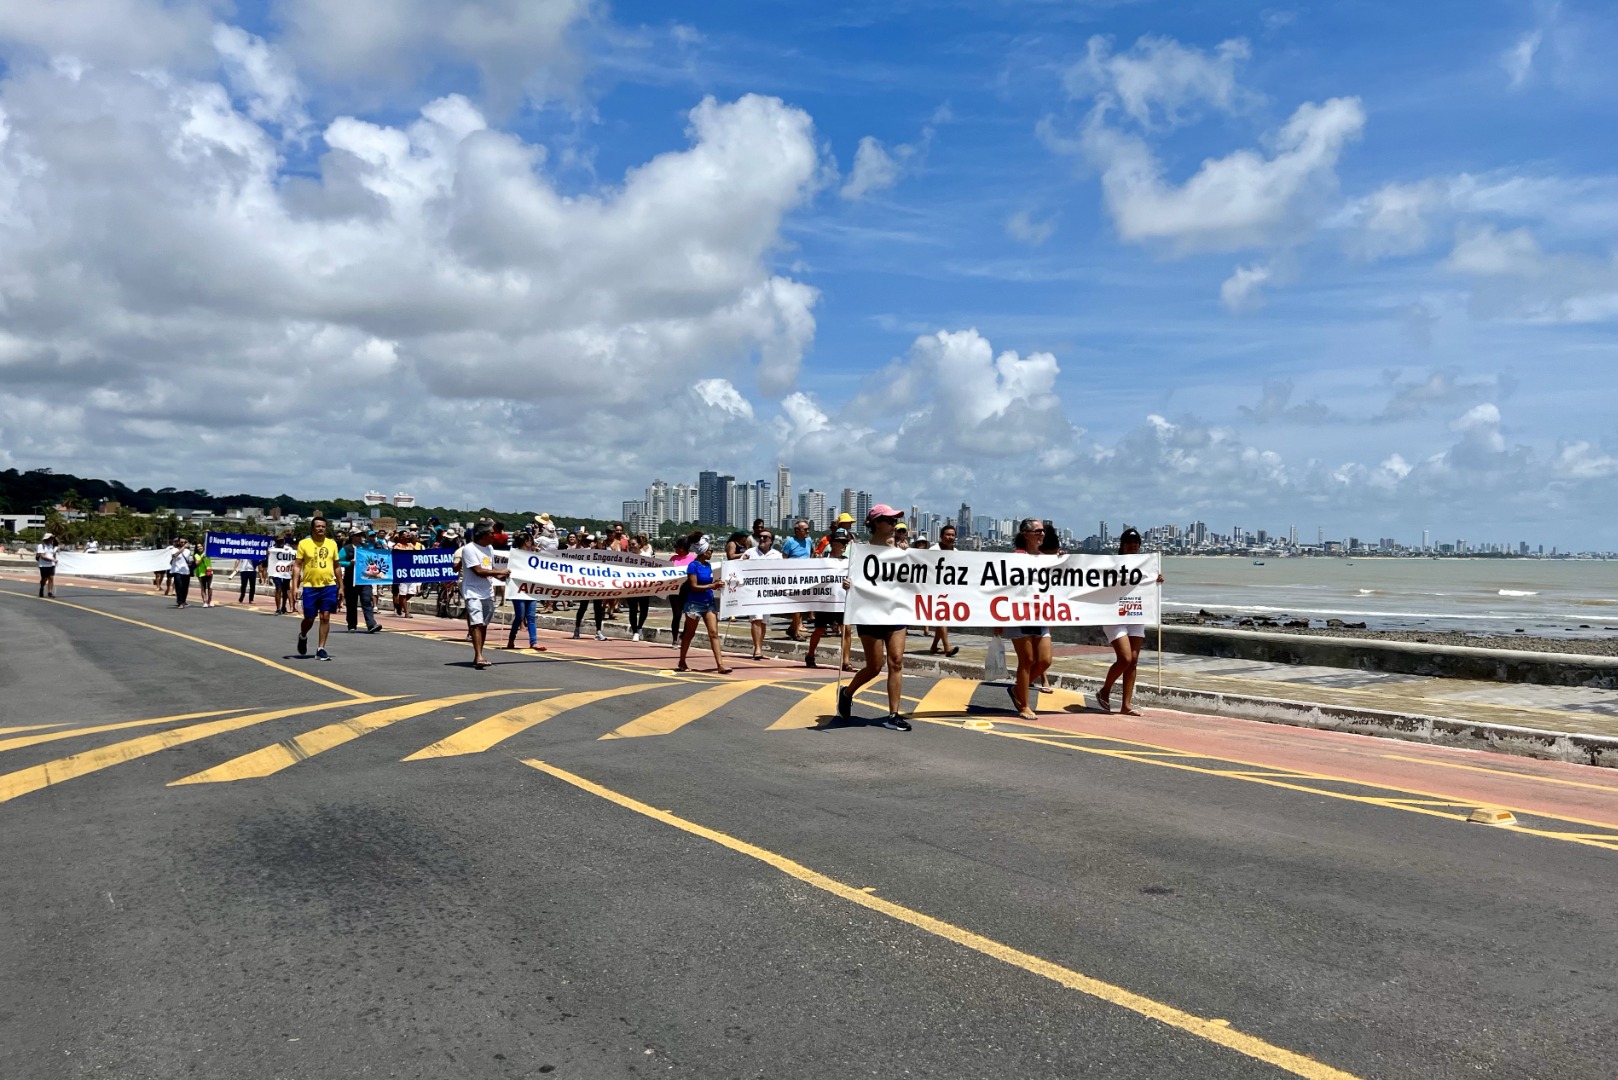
(180, 561)
(282, 556)
(475, 586)
(91, 548)
(757, 553)
(45, 554)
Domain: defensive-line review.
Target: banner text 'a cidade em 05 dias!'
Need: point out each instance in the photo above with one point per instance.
(929, 587)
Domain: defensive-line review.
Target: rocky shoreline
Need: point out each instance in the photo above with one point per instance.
(1338, 628)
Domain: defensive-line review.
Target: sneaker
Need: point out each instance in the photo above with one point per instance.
(303, 644)
(600, 636)
(323, 654)
(377, 629)
(845, 703)
(895, 722)
(635, 636)
(575, 635)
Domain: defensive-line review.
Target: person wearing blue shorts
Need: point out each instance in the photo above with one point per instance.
(701, 605)
(314, 572)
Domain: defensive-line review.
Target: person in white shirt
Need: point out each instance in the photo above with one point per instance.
(91, 548)
(181, 563)
(478, 575)
(765, 549)
(45, 559)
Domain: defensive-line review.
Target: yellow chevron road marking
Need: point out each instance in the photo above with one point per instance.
(55, 736)
(671, 718)
(502, 726)
(271, 759)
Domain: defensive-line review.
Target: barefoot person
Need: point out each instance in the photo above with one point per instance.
(1126, 643)
(701, 605)
(478, 577)
(1033, 643)
(314, 578)
(882, 644)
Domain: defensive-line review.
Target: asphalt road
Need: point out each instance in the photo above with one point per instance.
(223, 861)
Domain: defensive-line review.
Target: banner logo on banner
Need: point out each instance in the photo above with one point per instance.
(373, 566)
(962, 588)
(237, 546)
(756, 588)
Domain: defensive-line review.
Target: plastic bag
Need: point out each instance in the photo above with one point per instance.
(994, 661)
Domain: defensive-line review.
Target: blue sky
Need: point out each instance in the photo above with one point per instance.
(1256, 264)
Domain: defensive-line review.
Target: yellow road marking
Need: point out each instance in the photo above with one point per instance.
(809, 711)
(24, 781)
(1608, 788)
(54, 736)
(1216, 1031)
(948, 697)
(1288, 778)
(671, 718)
(266, 661)
(28, 727)
(502, 726)
(269, 760)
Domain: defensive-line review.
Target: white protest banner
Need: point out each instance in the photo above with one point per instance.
(755, 588)
(112, 563)
(551, 576)
(930, 587)
(281, 560)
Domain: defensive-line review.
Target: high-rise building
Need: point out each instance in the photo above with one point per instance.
(783, 496)
(963, 522)
(812, 505)
(849, 502)
(863, 501)
(1106, 537)
(710, 509)
(657, 502)
(636, 519)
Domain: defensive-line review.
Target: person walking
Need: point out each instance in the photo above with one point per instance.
(181, 564)
(831, 620)
(45, 560)
(797, 546)
(478, 577)
(845, 521)
(281, 555)
(315, 580)
(883, 645)
(204, 569)
(247, 576)
(682, 557)
(524, 609)
(766, 551)
(702, 605)
(946, 542)
(1032, 643)
(1127, 641)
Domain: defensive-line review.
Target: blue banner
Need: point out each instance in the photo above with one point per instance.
(373, 566)
(237, 546)
(420, 567)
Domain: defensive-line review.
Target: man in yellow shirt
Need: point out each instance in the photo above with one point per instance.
(314, 569)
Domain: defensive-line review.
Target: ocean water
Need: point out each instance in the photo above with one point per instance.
(1546, 598)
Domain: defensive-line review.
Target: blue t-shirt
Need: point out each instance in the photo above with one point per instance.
(793, 548)
(703, 572)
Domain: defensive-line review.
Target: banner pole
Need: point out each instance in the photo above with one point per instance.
(1160, 639)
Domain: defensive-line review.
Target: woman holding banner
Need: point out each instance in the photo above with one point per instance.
(524, 612)
(1127, 642)
(682, 557)
(281, 555)
(880, 643)
(1033, 643)
(702, 605)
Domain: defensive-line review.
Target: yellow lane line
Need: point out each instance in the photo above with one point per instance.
(54, 736)
(1368, 800)
(1608, 788)
(23, 781)
(671, 718)
(948, 697)
(269, 760)
(502, 726)
(809, 711)
(1215, 1031)
(266, 661)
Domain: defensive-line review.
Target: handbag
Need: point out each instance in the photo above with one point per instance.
(994, 661)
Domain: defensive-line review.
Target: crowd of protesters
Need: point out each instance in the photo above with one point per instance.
(321, 574)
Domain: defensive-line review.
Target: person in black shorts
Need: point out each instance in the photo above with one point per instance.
(881, 644)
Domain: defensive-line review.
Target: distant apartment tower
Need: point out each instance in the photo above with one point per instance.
(963, 522)
(783, 496)
(848, 503)
(657, 502)
(1106, 537)
(637, 519)
(714, 497)
(812, 505)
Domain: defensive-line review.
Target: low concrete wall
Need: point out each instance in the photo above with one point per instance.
(1396, 657)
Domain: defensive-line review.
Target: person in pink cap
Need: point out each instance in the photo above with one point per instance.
(880, 643)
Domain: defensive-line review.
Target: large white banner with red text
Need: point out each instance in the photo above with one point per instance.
(588, 575)
(931, 587)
